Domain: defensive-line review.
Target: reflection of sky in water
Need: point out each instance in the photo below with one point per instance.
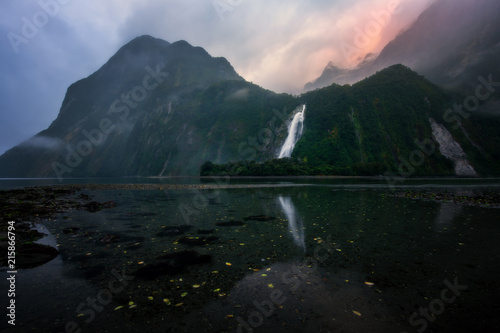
(295, 224)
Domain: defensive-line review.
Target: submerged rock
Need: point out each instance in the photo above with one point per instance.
(72, 230)
(197, 241)
(31, 255)
(108, 238)
(259, 218)
(205, 231)
(94, 206)
(230, 223)
(172, 264)
(173, 231)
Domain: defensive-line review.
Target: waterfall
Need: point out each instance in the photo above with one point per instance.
(294, 133)
(295, 225)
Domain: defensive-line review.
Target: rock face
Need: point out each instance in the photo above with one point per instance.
(450, 149)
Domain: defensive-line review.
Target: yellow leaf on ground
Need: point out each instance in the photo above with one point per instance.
(357, 313)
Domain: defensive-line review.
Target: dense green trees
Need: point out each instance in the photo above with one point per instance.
(287, 167)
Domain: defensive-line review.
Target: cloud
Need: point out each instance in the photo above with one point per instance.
(43, 142)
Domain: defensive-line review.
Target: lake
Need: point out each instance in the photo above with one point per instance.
(297, 254)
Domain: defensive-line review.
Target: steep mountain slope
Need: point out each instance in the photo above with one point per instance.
(384, 122)
(391, 123)
(451, 43)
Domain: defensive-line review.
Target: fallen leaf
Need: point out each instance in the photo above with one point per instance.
(357, 313)
(228, 264)
(369, 283)
(118, 307)
(150, 298)
(196, 286)
(184, 294)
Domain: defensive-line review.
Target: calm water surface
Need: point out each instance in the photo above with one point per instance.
(331, 255)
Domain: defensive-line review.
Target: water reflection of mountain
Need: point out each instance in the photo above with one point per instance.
(295, 224)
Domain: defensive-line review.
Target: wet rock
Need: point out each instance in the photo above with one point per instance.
(84, 197)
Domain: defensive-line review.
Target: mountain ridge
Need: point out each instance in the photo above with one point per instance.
(163, 109)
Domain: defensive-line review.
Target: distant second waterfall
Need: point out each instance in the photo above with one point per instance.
(295, 130)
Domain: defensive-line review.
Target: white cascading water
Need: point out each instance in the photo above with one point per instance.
(295, 225)
(294, 133)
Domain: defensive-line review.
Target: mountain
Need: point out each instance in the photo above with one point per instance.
(451, 43)
(154, 108)
(395, 123)
(161, 109)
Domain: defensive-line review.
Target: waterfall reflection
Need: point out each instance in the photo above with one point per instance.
(295, 224)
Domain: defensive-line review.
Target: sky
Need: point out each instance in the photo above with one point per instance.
(46, 45)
